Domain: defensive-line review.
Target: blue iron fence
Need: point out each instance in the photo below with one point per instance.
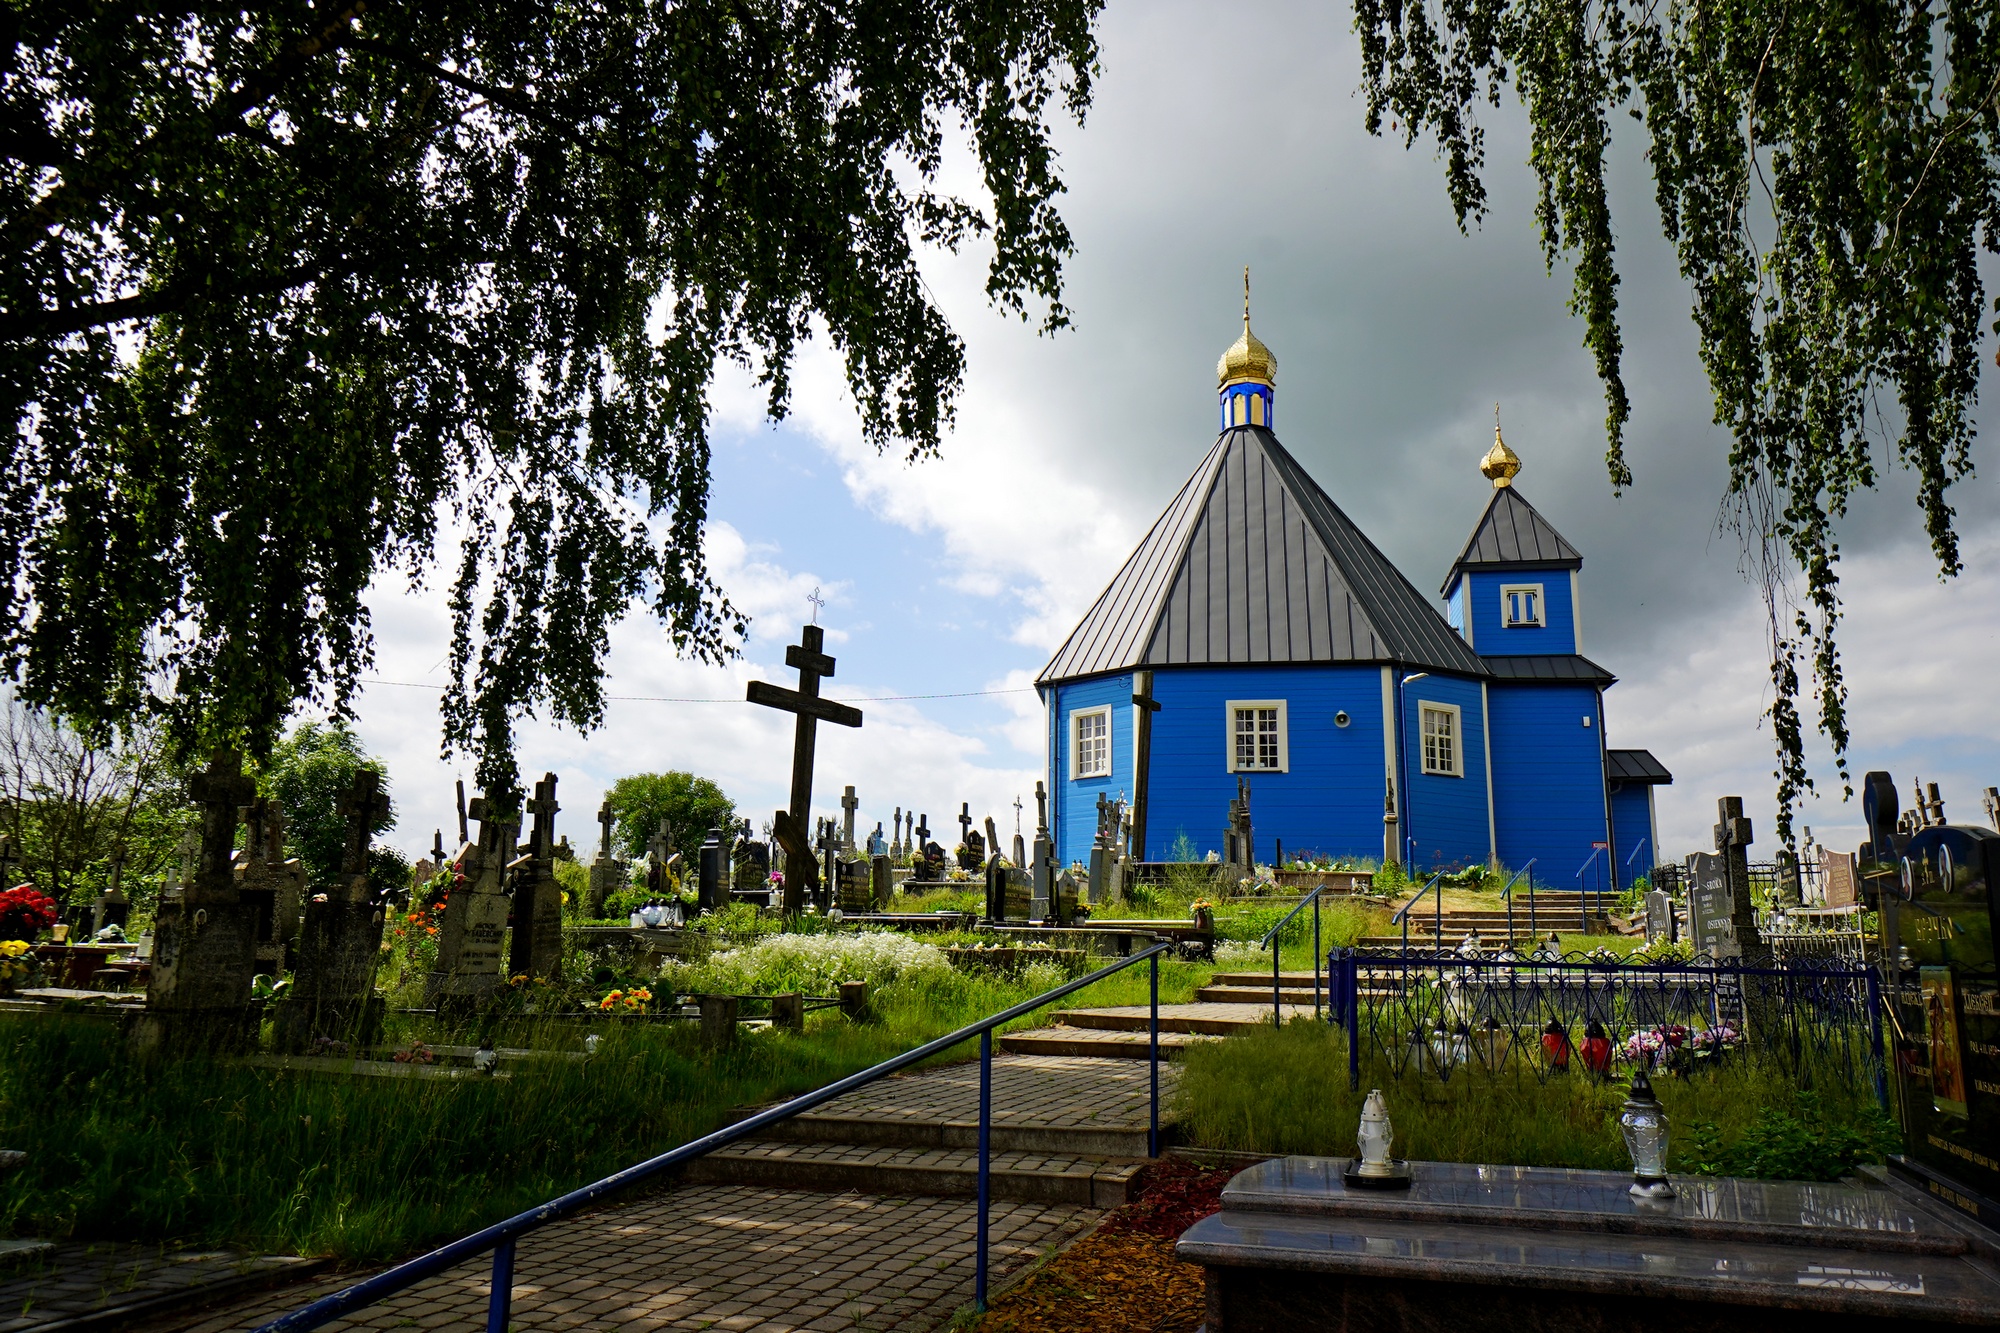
(1448, 1015)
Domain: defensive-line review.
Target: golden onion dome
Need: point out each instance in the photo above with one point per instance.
(1247, 358)
(1501, 464)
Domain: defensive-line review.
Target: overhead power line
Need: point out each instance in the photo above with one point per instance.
(672, 699)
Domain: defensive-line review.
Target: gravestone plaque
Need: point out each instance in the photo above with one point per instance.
(340, 941)
(856, 881)
(753, 871)
(1712, 918)
(205, 941)
(1841, 876)
(474, 929)
(1659, 918)
(1066, 899)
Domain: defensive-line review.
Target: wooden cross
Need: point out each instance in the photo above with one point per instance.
(964, 823)
(464, 833)
(221, 790)
(813, 666)
(923, 831)
(364, 807)
(1992, 802)
(604, 816)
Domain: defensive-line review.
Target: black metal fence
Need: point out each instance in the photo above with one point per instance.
(1448, 1016)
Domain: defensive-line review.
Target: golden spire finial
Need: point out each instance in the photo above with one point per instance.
(1247, 358)
(1501, 464)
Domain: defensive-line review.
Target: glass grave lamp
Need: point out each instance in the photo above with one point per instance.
(1375, 1169)
(1644, 1122)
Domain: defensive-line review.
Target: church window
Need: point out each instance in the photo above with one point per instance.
(1257, 736)
(1442, 753)
(1090, 756)
(1521, 605)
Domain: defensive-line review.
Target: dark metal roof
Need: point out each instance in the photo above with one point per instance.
(1637, 766)
(1563, 667)
(1512, 535)
(1252, 563)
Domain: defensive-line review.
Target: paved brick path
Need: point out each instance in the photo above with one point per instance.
(723, 1258)
(78, 1280)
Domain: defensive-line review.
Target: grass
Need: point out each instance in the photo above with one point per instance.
(221, 1153)
(1286, 1091)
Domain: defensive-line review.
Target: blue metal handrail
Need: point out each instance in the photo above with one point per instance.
(1403, 915)
(1276, 1014)
(1635, 853)
(1583, 894)
(501, 1236)
(1507, 892)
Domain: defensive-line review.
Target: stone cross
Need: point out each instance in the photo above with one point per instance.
(604, 818)
(542, 840)
(896, 842)
(964, 822)
(848, 805)
(437, 845)
(992, 838)
(364, 806)
(1732, 841)
(804, 702)
(1041, 810)
(1017, 814)
(221, 790)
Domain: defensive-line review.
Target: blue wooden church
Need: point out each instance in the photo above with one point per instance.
(1256, 634)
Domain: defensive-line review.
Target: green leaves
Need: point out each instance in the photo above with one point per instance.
(1828, 174)
(303, 295)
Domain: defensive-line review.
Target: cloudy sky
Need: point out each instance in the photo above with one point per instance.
(1210, 147)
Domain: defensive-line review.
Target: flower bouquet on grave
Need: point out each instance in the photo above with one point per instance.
(1660, 1048)
(1203, 912)
(24, 912)
(1712, 1043)
(417, 1054)
(17, 964)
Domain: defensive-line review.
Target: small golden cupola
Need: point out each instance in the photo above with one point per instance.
(1247, 376)
(1501, 464)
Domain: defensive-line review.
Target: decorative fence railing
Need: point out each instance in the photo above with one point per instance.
(1448, 1015)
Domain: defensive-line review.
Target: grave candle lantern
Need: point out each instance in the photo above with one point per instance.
(1644, 1123)
(1375, 1136)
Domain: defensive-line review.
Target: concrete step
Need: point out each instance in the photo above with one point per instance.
(1098, 1042)
(1300, 995)
(1034, 1177)
(1292, 979)
(1010, 1136)
(1218, 1020)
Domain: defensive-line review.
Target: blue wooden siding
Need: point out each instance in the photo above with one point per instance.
(1328, 801)
(1445, 816)
(1632, 823)
(1454, 609)
(1074, 809)
(1491, 639)
(1548, 777)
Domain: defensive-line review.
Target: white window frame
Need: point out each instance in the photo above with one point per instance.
(1457, 716)
(1077, 772)
(1229, 711)
(1508, 591)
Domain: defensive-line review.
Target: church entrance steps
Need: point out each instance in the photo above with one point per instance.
(1059, 1104)
(1032, 1177)
(1215, 1020)
(1292, 995)
(1099, 1043)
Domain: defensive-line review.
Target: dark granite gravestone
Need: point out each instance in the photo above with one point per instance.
(881, 881)
(711, 889)
(473, 932)
(340, 941)
(752, 877)
(1712, 908)
(205, 940)
(855, 884)
(1659, 918)
(1937, 920)
(933, 871)
(1532, 1250)
(536, 949)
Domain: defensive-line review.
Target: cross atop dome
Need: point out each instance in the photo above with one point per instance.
(1247, 376)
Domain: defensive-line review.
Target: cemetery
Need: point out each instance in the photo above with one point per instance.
(1322, 965)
